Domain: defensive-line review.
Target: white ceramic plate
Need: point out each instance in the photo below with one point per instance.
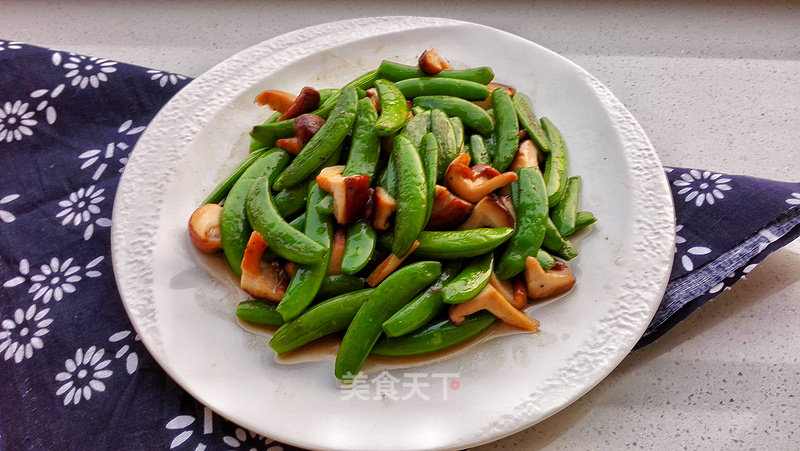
(182, 303)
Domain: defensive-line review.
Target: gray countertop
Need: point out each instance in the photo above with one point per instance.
(715, 86)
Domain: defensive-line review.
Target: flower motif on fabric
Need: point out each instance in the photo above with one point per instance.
(22, 333)
(132, 359)
(686, 259)
(793, 200)
(731, 279)
(249, 440)
(55, 279)
(83, 375)
(16, 120)
(118, 150)
(183, 422)
(165, 77)
(84, 71)
(6, 216)
(80, 207)
(45, 96)
(702, 187)
(9, 45)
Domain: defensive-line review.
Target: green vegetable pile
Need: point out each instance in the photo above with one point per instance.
(411, 212)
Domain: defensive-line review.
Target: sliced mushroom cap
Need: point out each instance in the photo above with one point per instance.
(372, 94)
(528, 156)
(487, 103)
(492, 300)
(350, 194)
(337, 251)
(448, 210)
(473, 184)
(279, 101)
(263, 279)
(542, 284)
(291, 145)
(432, 62)
(204, 228)
(489, 212)
(307, 101)
(383, 206)
(306, 126)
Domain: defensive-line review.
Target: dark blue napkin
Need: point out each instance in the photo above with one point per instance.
(74, 375)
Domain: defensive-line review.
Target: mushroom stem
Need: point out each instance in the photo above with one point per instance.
(337, 251)
(204, 228)
(542, 284)
(493, 301)
(388, 266)
(263, 279)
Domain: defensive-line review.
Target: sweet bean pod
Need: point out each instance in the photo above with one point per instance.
(471, 281)
(394, 109)
(432, 86)
(506, 129)
(457, 244)
(411, 195)
(436, 337)
(259, 312)
(528, 120)
(388, 297)
(360, 246)
(471, 115)
(396, 72)
(565, 213)
(555, 173)
(365, 147)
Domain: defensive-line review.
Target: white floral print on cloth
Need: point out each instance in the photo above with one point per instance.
(702, 187)
(9, 45)
(7, 216)
(794, 199)
(201, 435)
(165, 77)
(84, 375)
(84, 71)
(22, 333)
(55, 279)
(686, 259)
(117, 150)
(16, 120)
(132, 359)
(80, 207)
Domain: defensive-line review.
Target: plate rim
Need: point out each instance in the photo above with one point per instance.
(648, 161)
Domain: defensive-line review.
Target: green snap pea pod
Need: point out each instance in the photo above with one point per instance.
(359, 247)
(471, 281)
(506, 129)
(323, 144)
(307, 278)
(583, 219)
(412, 195)
(268, 133)
(417, 127)
(259, 312)
(528, 120)
(440, 335)
(555, 173)
(291, 200)
(433, 86)
(442, 129)
(472, 115)
(557, 244)
(529, 196)
(323, 319)
(417, 110)
(565, 213)
(282, 238)
(255, 144)
(491, 144)
(366, 146)
(299, 223)
(458, 129)
(477, 150)
(325, 205)
(422, 308)
(456, 244)
(429, 150)
(546, 260)
(234, 226)
(394, 109)
(389, 296)
(221, 190)
(388, 178)
(336, 284)
(363, 81)
(393, 71)
(325, 94)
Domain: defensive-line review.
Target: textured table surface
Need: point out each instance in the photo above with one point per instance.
(715, 86)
